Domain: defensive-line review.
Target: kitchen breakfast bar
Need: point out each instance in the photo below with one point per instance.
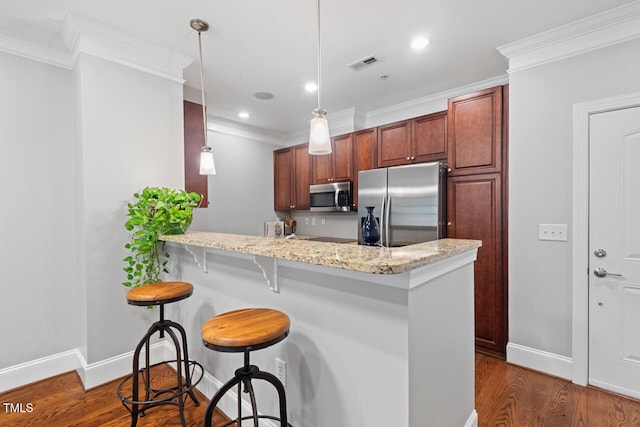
(379, 336)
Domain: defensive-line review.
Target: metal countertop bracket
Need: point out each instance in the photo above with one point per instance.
(269, 267)
(202, 266)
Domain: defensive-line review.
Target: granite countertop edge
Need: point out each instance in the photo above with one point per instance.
(365, 259)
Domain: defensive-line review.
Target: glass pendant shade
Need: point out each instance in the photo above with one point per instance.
(319, 138)
(207, 165)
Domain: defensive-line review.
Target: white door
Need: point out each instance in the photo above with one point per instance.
(614, 251)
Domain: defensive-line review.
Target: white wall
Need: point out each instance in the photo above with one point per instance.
(38, 293)
(241, 192)
(76, 144)
(541, 101)
(130, 133)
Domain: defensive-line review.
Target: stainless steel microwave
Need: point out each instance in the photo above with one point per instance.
(331, 197)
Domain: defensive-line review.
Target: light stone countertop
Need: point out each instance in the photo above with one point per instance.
(366, 259)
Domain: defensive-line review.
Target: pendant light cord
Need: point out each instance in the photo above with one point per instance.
(319, 56)
(204, 105)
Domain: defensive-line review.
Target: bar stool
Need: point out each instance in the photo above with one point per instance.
(159, 294)
(243, 331)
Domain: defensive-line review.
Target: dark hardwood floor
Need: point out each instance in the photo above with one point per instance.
(506, 396)
(61, 401)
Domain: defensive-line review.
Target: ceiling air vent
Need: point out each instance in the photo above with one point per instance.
(360, 64)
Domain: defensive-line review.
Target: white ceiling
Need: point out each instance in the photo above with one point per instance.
(270, 46)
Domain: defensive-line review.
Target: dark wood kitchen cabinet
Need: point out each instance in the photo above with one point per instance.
(364, 149)
(417, 140)
(337, 166)
(430, 137)
(475, 132)
(475, 211)
(394, 141)
(477, 204)
(291, 172)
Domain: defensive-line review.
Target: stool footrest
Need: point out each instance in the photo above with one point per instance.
(250, 417)
(156, 393)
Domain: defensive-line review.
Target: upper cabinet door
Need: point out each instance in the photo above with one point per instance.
(430, 137)
(282, 169)
(337, 166)
(394, 144)
(342, 157)
(321, 171)
(301, 177)
(364, 148)
(475, 132)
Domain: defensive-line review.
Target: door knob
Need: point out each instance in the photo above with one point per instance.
(601, 272)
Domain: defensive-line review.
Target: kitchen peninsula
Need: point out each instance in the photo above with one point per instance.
(379, 336)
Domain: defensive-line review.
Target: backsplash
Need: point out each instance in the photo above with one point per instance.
(330, 224)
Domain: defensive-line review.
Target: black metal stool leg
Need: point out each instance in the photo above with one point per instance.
(281, 393)
(254, 407)
(180, 396)
(135, 409)
(208, 418)
(185, 360)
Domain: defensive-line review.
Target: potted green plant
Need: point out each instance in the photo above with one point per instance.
(156, 211)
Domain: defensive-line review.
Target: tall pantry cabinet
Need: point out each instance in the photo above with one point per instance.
(477, 200)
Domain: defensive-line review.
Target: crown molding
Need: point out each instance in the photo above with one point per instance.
(427, 104)
(230, 127)
(84, 35)
(605, 29)
(34, 50)
(80, 34)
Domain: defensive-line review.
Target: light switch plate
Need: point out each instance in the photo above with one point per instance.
(556, 232)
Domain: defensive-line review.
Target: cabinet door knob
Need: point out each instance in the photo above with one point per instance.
(449, 223)
(408, 158)
(413, 157)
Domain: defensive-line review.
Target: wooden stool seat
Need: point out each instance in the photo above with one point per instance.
(245, 330)
(159, 293)
(242, 331)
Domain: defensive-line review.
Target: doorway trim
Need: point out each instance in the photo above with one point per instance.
(580, 219)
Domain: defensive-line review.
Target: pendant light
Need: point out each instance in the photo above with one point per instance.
(207, 165)
(319, 138)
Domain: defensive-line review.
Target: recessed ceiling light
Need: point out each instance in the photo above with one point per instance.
(311, 87)
(263, 95)
(243, 115)
(419, 43)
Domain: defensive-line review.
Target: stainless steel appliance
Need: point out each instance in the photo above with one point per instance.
(410, 202)
(330, 197)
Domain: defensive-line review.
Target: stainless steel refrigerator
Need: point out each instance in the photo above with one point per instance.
(410, 202)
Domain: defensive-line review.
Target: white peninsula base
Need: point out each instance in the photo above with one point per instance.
(365, 350)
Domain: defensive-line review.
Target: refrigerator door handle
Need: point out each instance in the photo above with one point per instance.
(386, 221)
(382, 209)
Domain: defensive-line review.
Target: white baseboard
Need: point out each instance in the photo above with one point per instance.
(472, 421)
(98, 373)
(92, 375)
(39, 369)
(549, 363)
(95, 374)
